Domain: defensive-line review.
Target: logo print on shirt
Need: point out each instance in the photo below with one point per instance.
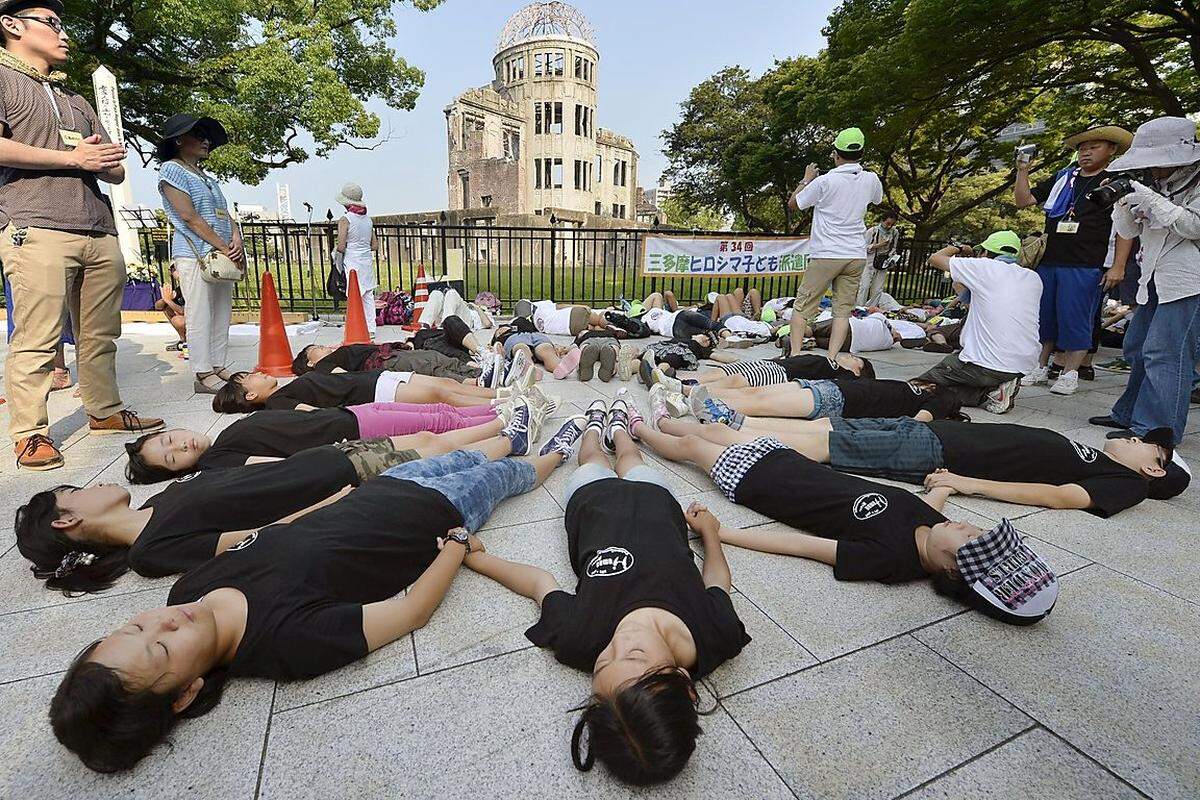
(1084, 452)
(244, 543)
(609, 562)
(869, 505)
(188, 477)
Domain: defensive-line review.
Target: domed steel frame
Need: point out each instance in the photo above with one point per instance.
(540, 20)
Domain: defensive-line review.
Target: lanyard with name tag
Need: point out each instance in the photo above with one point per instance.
(1067, 226)
(66, 132)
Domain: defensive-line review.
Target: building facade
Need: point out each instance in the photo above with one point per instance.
(530, 142)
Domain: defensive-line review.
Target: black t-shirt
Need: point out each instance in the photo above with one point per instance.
(1087, 247)
(191, 514)
(1018, 454)
(278, 434)
(873, 524)
(814, 368)
(867, 399)
(628, 544)
(349, 357)
(327, 391)
(306, 582)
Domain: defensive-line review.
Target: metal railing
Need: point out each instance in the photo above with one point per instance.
(591, 266)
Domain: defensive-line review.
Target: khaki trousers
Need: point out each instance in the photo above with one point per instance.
(46, 267)
(843, 274)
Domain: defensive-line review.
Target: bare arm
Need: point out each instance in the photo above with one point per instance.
(523, 579)
(182, 203)
(787, 542)
(1022, 194)
(936, 498)
(386, 621)
(1116, 273)
(1046, 495)
(941, 259)
(343, 231)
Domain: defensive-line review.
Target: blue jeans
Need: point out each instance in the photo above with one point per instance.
(472, 484)
(1162, 344)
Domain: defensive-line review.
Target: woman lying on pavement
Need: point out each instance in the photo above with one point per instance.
(83, 539)
(805, 399)
(865, 530)
(643, 620)
(1011, 463)
(250, 391)
(772, 372)
(289, 602)
(270, 435)
(391, 356)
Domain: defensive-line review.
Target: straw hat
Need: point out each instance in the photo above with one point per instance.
(1102, 133)
(350, 195)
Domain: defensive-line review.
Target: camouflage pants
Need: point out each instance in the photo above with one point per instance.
(372, 456)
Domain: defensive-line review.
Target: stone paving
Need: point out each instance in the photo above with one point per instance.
(847, 691)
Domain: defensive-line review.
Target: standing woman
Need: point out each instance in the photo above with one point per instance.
(356, 243)
(196, 207)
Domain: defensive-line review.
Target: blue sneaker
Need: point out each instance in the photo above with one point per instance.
(517, 429)
(564, 441)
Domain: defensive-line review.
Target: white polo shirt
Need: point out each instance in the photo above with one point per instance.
(839, 199)
(1001, 331)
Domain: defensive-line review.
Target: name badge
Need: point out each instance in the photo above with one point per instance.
(1068, 227)
(222, 214)
(69, 137)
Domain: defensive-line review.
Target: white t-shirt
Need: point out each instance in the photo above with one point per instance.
(839, 199)
(549, 319)
(1001, 331)
(661, 321)
(869, 334)
(906, 329)
(747, 327)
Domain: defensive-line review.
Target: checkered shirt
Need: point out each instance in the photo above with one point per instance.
(738, 459)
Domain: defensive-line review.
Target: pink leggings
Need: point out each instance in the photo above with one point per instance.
(398, 419)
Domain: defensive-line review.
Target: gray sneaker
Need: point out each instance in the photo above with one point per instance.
(523, 308)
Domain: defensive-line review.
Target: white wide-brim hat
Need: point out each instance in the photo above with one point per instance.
(1162, 142)
(350, 195)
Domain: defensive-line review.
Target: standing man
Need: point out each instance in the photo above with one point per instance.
(57, 235)
(1078, 236)
(882, 241)
(1162, 342)
(839, 199)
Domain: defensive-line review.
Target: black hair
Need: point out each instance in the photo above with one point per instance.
(300, 362)
(111, 727)
(166, 149)
(850, 155)
(643, 735)
(64, 564)
(868, 369)
(231, 398)
(949, 583)
(140, 471)
(702, 351)
(890, 213)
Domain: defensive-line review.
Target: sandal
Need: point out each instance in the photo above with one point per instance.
(208, 383)
(62, 380)
(223, 373)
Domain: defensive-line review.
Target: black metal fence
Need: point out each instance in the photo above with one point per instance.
(592, 266)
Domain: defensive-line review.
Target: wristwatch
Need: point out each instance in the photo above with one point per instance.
(461, 538)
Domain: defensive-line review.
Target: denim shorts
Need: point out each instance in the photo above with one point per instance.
(473, 484)
(901, 449)
(827, 398)
(590, 473)
(532, 340)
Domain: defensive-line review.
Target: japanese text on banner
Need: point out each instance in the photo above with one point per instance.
(717, 257)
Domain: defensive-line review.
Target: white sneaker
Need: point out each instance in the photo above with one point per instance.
(1036, 377)
(1067, 383)
(1000, 400)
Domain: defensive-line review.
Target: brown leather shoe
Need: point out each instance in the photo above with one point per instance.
(37, 453)
(123, 422)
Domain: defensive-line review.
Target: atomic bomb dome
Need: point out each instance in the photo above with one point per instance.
(529, 141)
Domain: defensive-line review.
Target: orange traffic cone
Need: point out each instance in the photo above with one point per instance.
(356, 319)
(274, 351)
(420, 298)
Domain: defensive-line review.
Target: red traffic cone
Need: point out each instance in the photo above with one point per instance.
(274, 351)
(420, 298)
(356, 319)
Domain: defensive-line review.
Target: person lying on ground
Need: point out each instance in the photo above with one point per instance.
(738, 302)
(540, 348)
(563, 319)
(772, 372)
(867, 334)
(665, 300)
(289, 602)
(270, 435)
(83, 539)
(250, 391)
(865, 530)
(804, 399)
(644, 621)
(441, 305)
(683, 324)
(454, 338)
(1010, 463)
(390, 356)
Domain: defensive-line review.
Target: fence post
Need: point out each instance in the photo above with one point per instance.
(553, 258)
(442, 239)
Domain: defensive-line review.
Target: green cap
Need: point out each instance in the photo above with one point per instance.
(786, 330)
(768, 314)
(1004, 243)
(635, 309)
(850, 140)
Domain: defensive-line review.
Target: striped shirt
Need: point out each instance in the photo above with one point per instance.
(207, 199)
(757, 373)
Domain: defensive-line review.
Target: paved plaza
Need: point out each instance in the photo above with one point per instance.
(847, 691)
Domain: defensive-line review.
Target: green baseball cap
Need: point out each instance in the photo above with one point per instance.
(1004, 243)
(636, 309)
(768, 314)
(850, 140)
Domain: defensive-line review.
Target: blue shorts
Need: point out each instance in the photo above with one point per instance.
(1070, 302)
(590, 473)
(530, 339)
(827, 398)
(901, 449)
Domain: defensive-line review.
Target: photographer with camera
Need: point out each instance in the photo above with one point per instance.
(1078, 236)
(1157, 198)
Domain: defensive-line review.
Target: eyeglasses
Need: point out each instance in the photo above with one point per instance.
(54, 23)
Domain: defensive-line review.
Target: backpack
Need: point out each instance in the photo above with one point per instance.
(1032, 250)
(397, 309)
(488, 301)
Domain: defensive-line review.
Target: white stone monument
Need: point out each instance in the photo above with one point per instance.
(108, 108)
(283, 202)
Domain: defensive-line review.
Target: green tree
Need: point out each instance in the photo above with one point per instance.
(694, 218)
(288, 78)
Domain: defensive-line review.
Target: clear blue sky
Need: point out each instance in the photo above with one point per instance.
(651, 54)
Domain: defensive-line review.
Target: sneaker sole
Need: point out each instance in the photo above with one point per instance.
(123, 432)
(608, 364)
(587, 363)
(625, 363)
(1063, 392)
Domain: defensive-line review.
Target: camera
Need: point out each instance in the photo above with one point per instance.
(1108, 194)
(1026, 152)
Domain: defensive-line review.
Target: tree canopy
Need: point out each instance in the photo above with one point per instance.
(288, 79)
